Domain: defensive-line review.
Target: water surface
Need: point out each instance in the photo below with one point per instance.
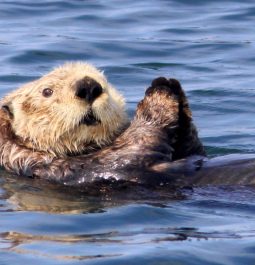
(207, 45)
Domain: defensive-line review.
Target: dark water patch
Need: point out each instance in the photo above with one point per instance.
(33, 56)
(227, 142)
(218, 151)
(25, 8)
(169, 66)
(181, 31)
(157, 65)
(243, 197)
(216, 92)
(208, 2)
(244, 14)
(16, 78)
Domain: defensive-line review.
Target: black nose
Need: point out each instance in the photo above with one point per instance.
(88, 89)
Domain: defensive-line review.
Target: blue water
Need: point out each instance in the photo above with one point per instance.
(210, 47)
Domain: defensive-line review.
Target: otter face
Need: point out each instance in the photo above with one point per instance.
(69, 110)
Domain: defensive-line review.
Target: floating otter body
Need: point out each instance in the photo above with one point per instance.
(159, 148)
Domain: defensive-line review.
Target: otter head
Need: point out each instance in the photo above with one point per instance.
(69, 110)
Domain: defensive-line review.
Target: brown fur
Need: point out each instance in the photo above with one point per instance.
(136, 155)
(187, 141)
(141, 156)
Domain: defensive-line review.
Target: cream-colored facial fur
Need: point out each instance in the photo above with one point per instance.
(53, 124)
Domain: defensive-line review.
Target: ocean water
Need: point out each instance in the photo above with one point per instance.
(210, 47)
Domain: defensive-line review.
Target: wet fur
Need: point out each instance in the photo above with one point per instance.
(142, 154)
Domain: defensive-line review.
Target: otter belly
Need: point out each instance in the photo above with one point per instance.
(194, 171)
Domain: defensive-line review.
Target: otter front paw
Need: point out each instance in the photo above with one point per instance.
(173, 87)
(160, 106)
(166, 105)
(187, 141)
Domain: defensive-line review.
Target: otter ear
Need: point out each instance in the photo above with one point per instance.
(7, 108)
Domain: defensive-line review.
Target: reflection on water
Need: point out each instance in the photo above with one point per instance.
(207, 45)
(44, 221)
(22, 194)
(17, 241)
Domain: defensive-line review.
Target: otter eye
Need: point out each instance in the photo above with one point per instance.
(47, 92)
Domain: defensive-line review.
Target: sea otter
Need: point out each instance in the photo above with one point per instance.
(144, 154)
(70, 110)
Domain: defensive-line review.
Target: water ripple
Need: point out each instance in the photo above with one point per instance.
(209, 47)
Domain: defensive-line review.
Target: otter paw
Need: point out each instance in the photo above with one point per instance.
(160, 84)
(172, 87)
(160, 105)
(159, 81)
